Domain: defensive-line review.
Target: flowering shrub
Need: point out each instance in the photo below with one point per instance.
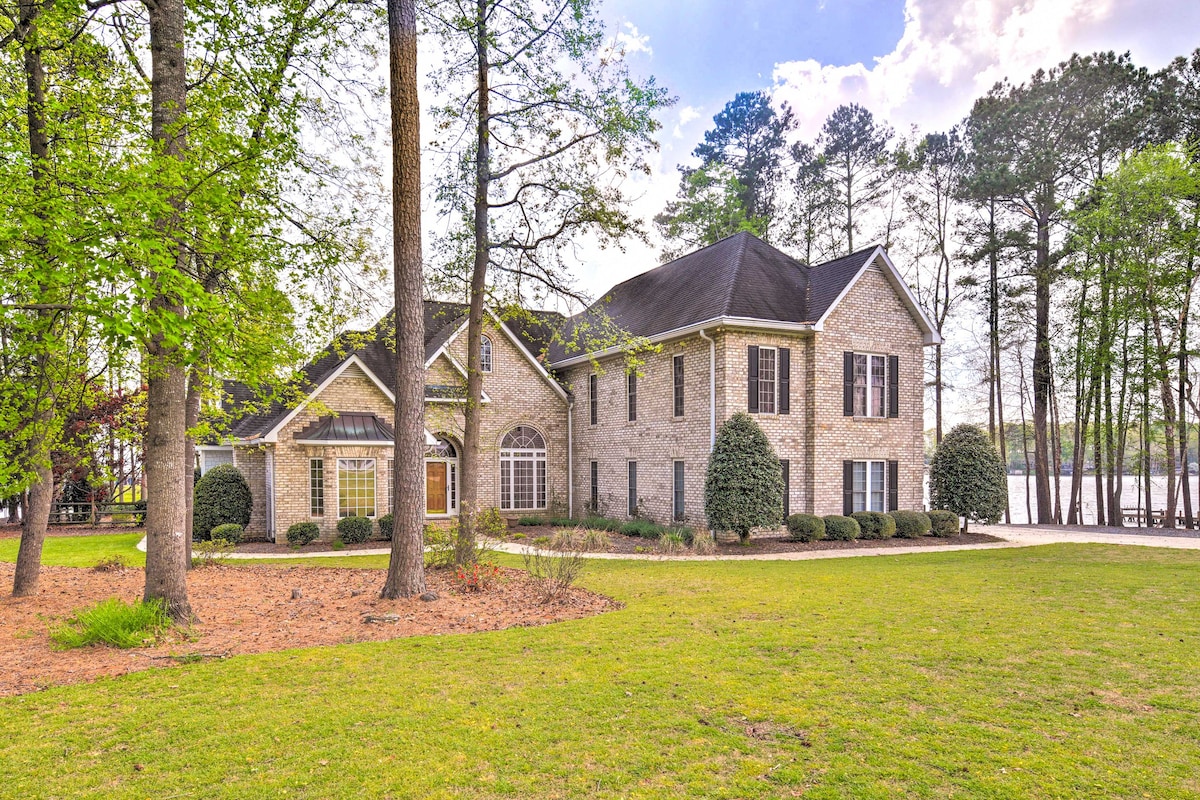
(476, 578)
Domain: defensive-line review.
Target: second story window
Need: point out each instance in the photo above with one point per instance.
(871, 388)
(768, 377)
(631, 395)
(485, 355)
(593, 400)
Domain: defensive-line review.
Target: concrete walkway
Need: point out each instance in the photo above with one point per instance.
(1014, 536)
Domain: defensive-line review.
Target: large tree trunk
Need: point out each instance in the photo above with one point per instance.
(166, 384)
(464, 548)
(1042, 376)
(191, 420)
(406, 567)
(41, 492)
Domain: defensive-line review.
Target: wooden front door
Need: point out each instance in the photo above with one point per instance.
(435, 487)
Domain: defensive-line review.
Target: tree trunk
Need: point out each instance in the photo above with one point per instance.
(464, 547)
(406, 567)
(166, 384)
(1042, 377)
(191, 420)
(41, 492)
(937, 390)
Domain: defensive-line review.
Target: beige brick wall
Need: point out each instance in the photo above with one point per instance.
(519, 396)
(873, 319)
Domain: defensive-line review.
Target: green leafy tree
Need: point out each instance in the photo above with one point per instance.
(743, 487)
(966, 476)
(709, 208)
(541, 123)
(854, 150)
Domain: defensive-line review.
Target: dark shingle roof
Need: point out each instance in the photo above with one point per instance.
(375, 348)
(739, 276)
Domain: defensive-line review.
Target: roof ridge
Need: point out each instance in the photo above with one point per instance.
(738, 260)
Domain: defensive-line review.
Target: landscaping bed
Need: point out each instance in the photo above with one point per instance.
(250, 609)
(542, 536)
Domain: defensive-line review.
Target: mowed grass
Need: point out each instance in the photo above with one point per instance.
(81, 551)
(1060, 671)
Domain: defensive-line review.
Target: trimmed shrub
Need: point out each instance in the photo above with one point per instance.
(354, 530)
(842, 529)
(531, 522)
(385, 527)
(943, 523)
(222, 496)
(805, 528)
(911, 524)
(303, 533)
(743, 486)
(874, 525)
(643, 528)
(562, 522)
(230, 532)
(967, 476)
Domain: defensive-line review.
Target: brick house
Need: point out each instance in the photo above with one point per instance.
(827, 358)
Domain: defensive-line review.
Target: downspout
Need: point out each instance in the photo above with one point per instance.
(712, 390)
(570, 458)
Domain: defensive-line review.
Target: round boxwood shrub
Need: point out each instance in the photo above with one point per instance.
(354, 530)
(303, 533)
(229, 532)
(911, 524)
(943, 523)
(805, 528)
(841, 528)
(222, 496)
(385, 527)
(743, 487)
(874, 525)
(967, 476)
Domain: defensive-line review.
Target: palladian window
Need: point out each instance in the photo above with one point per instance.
(523, 469)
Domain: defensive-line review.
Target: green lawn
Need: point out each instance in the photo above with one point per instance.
(1061, 671)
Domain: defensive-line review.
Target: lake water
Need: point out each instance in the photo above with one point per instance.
(1131, 490)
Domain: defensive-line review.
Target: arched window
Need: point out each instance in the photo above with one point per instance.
(485, 355)
(523, 469)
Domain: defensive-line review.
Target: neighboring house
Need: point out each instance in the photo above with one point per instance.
(828, 358)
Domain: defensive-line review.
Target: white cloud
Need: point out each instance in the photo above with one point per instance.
(952, 51)
(686, 114)
(630, 41)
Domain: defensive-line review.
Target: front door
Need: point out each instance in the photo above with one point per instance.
(435, 487)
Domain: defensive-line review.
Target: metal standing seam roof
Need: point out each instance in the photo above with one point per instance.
(739, 276)
(348, 427)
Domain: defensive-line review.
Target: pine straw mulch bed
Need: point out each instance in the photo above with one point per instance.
(758, 545)
(249, 609)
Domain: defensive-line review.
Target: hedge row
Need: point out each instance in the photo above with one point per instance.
(872, 525)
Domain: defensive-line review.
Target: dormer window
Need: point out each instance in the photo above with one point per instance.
(485, 354)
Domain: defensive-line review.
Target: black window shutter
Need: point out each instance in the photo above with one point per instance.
(893, 386)
(752, 379)
(847, 384)
(893, 487)
(785, 370)
(786, 466)
(847, 487)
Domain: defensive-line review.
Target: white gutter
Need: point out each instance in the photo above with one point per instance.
(712, 389)
(570, 459)
(689, 330)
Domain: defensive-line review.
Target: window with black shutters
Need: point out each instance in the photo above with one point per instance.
(631, 395)
(677, 372)
(768, 380)
(677, 510)
(633, 504)
(593, 401)
(871, 388)
(870, 486)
